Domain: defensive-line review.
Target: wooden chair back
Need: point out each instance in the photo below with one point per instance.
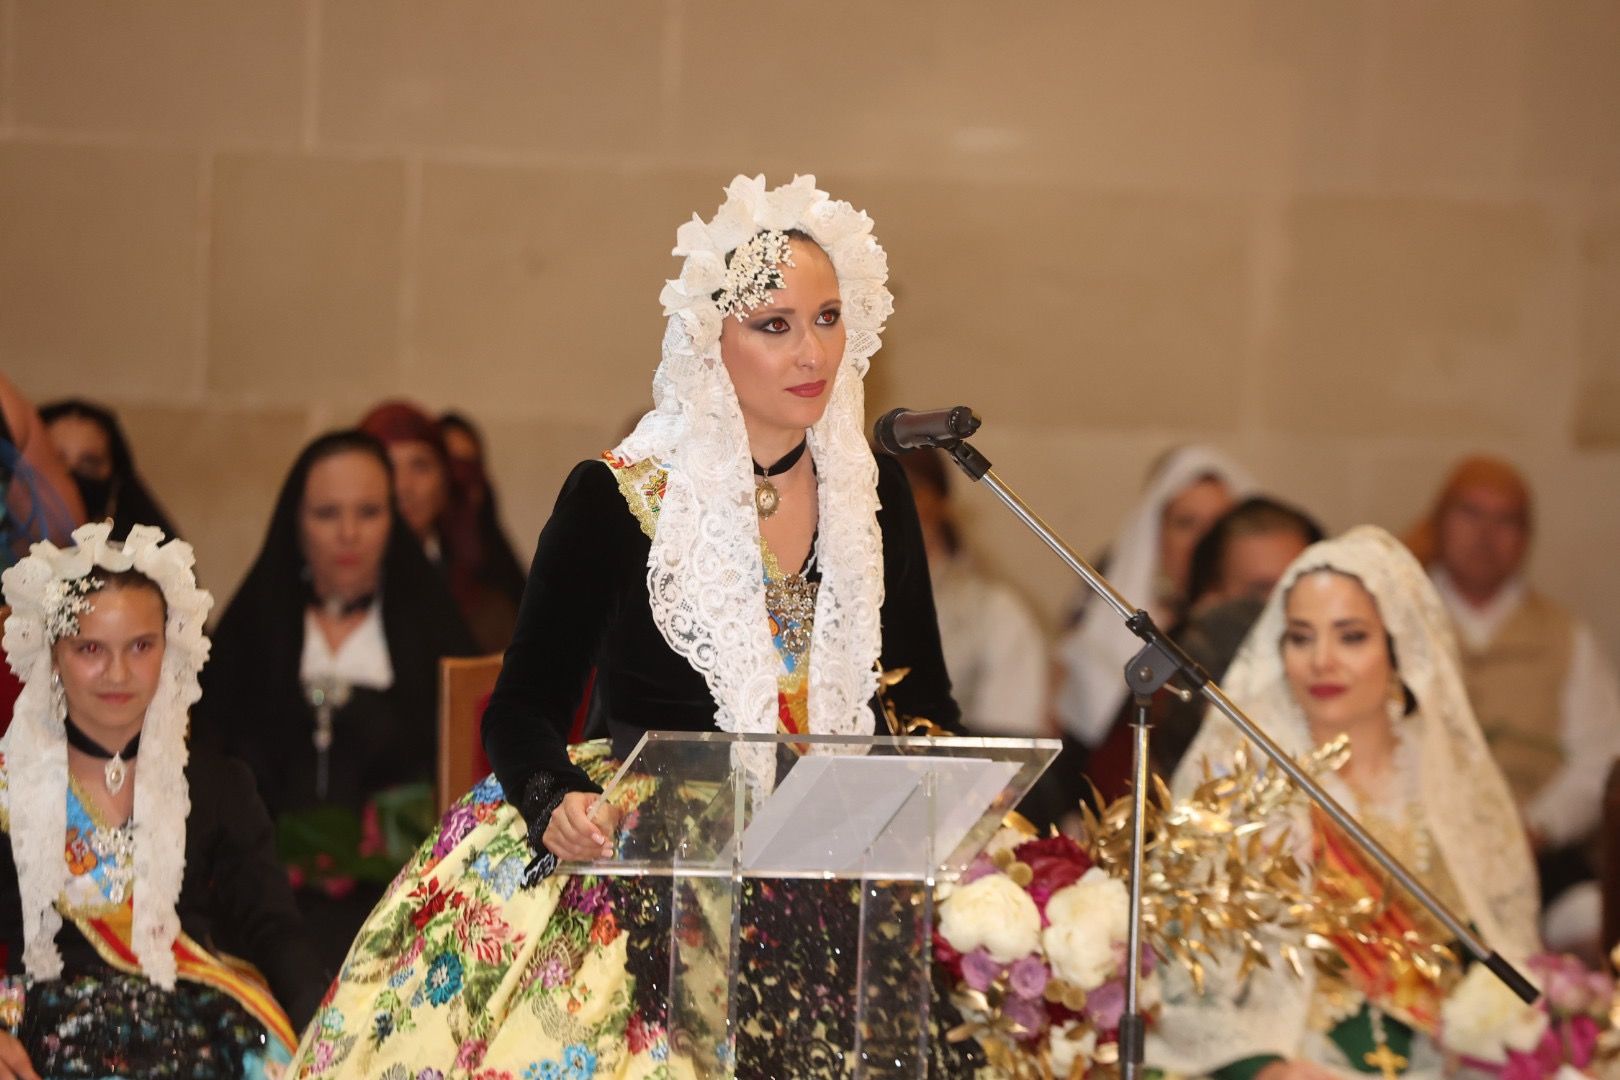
(465, 683)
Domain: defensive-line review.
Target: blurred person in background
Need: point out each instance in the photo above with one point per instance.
(1148, 563)
(1547, 696)
(1187, 489)
(995, 652)
(38, 500)
(92, 445)
(481, 536)
(324, 680)
(1232, 571)
(444, 523)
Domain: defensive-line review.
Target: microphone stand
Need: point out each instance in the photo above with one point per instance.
(1151, 670)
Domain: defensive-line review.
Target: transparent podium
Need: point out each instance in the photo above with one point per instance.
(733, 830)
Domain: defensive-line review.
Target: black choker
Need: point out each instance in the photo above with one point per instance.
(117, 767)
(341, 609)
(766, 498)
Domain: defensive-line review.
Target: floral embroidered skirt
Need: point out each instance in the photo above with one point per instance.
(461, 972)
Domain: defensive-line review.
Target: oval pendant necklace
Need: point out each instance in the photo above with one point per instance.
(766, 497)
(116, 771)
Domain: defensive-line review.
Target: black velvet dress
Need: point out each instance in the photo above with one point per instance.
(588, 956)
(586, 607)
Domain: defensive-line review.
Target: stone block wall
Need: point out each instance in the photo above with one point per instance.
(1347, 241)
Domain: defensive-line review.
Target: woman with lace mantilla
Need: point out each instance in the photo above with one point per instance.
(126, 861)
(740, 563)
(1354, 643)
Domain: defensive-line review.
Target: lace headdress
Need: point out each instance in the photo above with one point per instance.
(1094, 653)
(705, 576)
(1464, 802)
(47, 592)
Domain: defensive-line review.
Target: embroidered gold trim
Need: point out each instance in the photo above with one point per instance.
(642, 485)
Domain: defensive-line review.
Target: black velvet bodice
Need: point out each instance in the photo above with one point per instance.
(585, 605)
(234, 896)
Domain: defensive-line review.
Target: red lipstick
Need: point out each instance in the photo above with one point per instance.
(1323, 691)
(809, 389)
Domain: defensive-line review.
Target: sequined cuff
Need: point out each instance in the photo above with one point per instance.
(541, 797)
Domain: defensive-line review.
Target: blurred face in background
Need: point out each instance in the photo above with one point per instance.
(460, 445)
(110, 668)
(84, 446)
(1253, 563)
(1336, 654)
(421, 483)
(466, 464)
(343, 525)
(1484, 535)
(1186, 518)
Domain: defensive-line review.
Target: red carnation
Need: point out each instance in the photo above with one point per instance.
(1055, 861)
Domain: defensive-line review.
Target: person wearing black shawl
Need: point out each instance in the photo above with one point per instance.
(324, 679)
(496, 563)
(92, 444)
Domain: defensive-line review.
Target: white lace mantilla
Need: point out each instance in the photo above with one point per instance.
(1465, 804)
(704, 571)
(35, 746)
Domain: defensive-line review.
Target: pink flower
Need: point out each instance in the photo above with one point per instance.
(1581, 1037)
(1027, 977)
(1106, 1004)
(1056, 861)
(338, 887)
(371, 834)
(324, 1053)
(978, 868)
(1030, 1015)
(554, 973)
(979, 970)
(471, 1054)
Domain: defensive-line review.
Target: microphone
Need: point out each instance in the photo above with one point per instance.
(900, 430)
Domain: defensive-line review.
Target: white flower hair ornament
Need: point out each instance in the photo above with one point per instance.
(704, 573)
(47, 592)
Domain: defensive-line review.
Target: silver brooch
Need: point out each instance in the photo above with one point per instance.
(65, 601)
(755, 269)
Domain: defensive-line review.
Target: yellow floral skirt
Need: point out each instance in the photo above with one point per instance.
(461, 972)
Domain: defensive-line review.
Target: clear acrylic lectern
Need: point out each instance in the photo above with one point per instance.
(889, 817)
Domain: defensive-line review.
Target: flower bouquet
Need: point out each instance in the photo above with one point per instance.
(1033, 938)
(1569, 1032)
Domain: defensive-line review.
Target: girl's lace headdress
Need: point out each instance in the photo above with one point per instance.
(48, 591)
(705, 575)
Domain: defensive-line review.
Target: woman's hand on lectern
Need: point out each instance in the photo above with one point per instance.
(580, 828)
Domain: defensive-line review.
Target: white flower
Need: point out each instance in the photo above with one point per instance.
(861, 259)
(831, 223)
(703, 273)
(992, 914)
(866, 308)
(786, 207)
(1088, 921)
(1483, 1019)
(1066, 1051)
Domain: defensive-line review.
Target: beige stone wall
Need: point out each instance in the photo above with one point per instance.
(1346, 240)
